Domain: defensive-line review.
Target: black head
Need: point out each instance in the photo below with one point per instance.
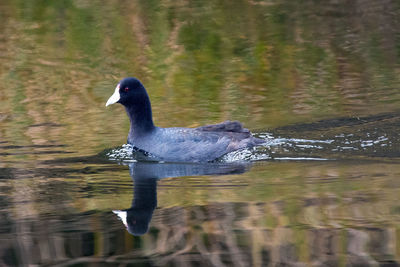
(128, 92)
(131, 93)
(136, 219)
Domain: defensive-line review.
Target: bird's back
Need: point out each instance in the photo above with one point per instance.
(200, 144)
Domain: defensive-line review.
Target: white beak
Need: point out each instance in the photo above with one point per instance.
(122, 216)
(114, 98)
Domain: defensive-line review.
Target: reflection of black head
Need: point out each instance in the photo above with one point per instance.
(143, 204)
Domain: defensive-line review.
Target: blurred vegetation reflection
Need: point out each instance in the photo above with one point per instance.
(265, 63)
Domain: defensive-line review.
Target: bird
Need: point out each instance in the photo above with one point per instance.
(177, 144)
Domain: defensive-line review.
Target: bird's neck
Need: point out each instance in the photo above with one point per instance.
(145, 193)
(141, 119)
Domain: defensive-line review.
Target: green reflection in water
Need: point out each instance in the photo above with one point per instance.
(266, 63)
(299, 212)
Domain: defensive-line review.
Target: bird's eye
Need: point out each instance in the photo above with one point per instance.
(126, 89)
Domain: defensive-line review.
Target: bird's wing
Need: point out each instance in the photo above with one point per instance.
(226, 126)
(183, 144)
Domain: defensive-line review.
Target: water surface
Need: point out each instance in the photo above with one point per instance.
(319, 80)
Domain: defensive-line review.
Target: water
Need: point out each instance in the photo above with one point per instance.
(318, 80)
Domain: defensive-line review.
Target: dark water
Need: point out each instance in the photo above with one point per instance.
(318, 80)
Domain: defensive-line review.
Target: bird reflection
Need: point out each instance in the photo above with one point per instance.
(145, 176)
